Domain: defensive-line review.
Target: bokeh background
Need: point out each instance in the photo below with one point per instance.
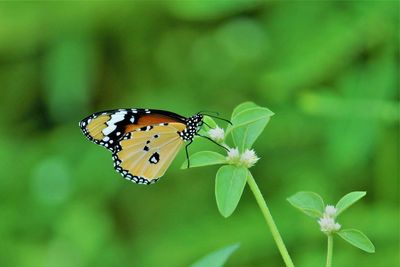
(329, 70)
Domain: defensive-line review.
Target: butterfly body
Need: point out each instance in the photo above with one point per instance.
(143, 141)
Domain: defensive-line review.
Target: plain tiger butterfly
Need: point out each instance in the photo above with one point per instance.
(143, 142)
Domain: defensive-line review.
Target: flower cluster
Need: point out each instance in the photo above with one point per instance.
(327, 222)
(248, 158)
(217, 134)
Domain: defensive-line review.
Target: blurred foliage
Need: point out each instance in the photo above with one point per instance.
(329, 71)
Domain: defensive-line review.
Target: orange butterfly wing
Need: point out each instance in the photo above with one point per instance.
(143, 141)
(144, 155)
(106, 128)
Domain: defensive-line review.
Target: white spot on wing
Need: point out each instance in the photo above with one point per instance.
(109, 129)
(117, 117)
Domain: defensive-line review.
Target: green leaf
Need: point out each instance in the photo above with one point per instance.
(209, 121)
(243, 106)
(348, 200)
(357, 239)
(308, 202)
(249, 120)
(204, 158)
(216, 258)
(229, 187)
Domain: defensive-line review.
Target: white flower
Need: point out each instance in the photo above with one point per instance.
(249, 158)
(327, 221)
(217, 134)
(233, 156)
(337, 227)
(328, 225)
(330, 211)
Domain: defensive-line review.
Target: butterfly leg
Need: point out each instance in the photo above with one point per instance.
(187, 153)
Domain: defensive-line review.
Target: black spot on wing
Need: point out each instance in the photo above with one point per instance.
(155, 158)
(146, 128)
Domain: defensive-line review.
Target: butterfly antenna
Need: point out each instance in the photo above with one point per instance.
(206, 137)
(208, 111)
(216, 117)
(207, 124)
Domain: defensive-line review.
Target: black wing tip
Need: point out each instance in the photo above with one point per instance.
(83, 124)
(110, 144)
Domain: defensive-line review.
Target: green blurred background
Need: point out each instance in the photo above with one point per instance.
(329, 70)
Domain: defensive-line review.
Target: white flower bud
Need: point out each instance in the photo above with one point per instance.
(217, 134)
(328, 225)
(327, 222)
(249, 158)
(233, 156)
(330, 211)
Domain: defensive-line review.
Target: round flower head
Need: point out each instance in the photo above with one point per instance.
(249, 158)
(217, 134)
(233, 155)
(328, 225)
(327, 222)
(330, 211)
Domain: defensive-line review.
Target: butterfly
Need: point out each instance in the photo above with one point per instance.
(143, 142)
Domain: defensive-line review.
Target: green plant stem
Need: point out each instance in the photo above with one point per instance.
(270, 221)
(329, 251)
